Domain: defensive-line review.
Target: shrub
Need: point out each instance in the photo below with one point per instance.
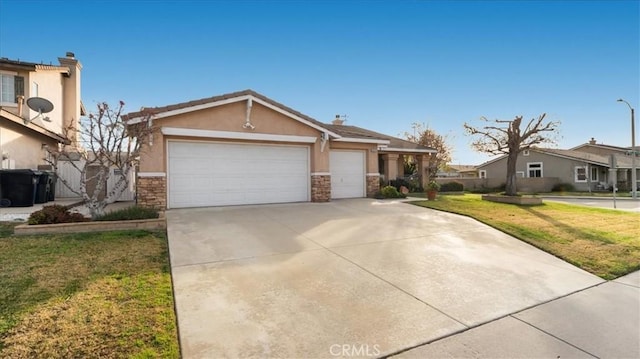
(129, 213)
(563, 187)
(391, 192)
(412, 184)
(55, 214)
(452, 187)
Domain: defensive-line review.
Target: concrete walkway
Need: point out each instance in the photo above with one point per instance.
(21, 214)
(376, 278)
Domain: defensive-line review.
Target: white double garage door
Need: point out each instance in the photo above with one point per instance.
(202, 174)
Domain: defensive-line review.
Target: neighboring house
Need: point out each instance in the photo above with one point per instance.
(244, 148)
(24, 134)
(585, 171)
(458, 171)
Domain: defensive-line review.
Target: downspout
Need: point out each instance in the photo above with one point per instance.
(247, 120)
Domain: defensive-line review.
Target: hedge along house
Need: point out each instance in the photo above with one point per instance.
(244, 148)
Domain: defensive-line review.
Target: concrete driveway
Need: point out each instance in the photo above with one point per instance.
(347, 278)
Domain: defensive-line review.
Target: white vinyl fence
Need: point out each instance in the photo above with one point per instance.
(67, 171)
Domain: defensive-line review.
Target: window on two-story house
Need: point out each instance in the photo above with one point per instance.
(11, 86)
(534, 169)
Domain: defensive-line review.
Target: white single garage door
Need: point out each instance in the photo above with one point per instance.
(347, 174)
(205, 174)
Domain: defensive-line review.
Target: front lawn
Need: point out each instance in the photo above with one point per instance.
(85, 295)
(601, 241)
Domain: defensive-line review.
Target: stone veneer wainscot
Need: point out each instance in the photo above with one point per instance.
(152, 192)
(373, 185)
(320, 188)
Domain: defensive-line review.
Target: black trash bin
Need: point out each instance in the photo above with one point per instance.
(42, 189)
(19, 187)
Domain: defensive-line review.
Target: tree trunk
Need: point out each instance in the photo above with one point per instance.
(511, 188)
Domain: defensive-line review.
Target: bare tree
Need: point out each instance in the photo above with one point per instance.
(425, 136)
(107, 145)
(506, 138)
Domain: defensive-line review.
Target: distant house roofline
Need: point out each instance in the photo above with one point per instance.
(572, 154)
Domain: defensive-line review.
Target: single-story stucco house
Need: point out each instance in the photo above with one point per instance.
(584, 170)
(244, 148)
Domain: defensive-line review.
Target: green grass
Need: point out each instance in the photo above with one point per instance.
(105, 295)
(601, 241)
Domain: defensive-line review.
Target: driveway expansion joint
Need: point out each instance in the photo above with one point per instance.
(554, 336)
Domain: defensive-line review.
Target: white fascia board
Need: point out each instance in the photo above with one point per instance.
(295, 117)
(190, 132)
(152, 174)
(392, 149)
(192, 108)
(233, 100)
(362, 140)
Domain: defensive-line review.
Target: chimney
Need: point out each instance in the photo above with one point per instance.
(592, 141)
(338, 120)
(71, 94)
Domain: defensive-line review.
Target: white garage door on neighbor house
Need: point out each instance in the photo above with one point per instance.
(347, 174)
(205, 174)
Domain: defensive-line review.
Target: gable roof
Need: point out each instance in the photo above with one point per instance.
(603, 146)
(463, 168)
(622, 161)
(394, 143)
(338, 132)
(204, 103)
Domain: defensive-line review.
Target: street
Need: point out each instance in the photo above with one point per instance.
(624, 204)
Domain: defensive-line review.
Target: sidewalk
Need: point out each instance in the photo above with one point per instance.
(22, 213)
(622, 204)
(601, 321)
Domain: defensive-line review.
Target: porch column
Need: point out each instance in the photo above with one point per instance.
(390, 166)
(400, 163)
(422, 164)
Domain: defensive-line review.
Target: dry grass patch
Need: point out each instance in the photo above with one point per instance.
(86, 295)
(603, 242)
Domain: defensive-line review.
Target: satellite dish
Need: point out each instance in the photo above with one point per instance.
(42, 105)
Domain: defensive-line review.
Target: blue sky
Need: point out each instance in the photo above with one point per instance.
(383, 64)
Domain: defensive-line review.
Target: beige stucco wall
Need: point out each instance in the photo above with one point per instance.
(50, 88)
(24, 151)
(231, 117)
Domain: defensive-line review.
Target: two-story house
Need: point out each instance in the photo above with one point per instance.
(25, 133)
